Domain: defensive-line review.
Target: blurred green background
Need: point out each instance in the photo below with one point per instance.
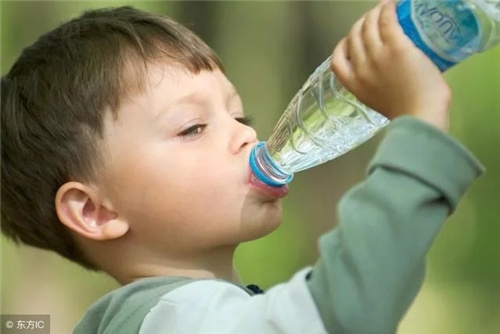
(269, 49)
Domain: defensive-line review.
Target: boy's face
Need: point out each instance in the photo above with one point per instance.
(176, 165)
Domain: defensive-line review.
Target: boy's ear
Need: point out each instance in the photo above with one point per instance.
(80, 209)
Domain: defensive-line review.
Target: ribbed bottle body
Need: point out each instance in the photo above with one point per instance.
(323, 121)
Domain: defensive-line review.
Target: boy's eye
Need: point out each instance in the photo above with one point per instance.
(193, 130)
(197, 129)
(245, 120)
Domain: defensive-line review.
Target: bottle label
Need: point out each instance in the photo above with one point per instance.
(446, 30)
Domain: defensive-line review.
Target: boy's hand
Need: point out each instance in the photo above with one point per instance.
(382, 67)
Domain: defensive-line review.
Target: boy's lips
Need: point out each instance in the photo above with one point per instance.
(274, 192)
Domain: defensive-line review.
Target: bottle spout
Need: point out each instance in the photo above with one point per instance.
(265, 169)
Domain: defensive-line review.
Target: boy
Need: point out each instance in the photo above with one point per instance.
(116, 129)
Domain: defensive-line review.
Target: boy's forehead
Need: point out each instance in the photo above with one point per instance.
(166, 86)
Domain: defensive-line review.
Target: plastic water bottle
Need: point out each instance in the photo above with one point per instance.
(324, 120)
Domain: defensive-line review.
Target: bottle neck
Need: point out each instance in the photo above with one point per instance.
(265, 169)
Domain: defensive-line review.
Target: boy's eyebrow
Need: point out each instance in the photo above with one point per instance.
(196, 97)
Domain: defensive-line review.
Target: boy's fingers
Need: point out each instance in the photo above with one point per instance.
(370, 31)
(341, 65)
(355, 45)
(389, 27)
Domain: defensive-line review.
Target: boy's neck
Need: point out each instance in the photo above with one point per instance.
(216, 263)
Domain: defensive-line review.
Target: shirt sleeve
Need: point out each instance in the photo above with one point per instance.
(211, 306)
(372, 265)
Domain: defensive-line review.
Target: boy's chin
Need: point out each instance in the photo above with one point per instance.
(258, 229)
(258, 220)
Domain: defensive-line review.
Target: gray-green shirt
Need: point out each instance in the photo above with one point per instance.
(370, 267)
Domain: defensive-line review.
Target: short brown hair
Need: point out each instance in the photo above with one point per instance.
(53, 103)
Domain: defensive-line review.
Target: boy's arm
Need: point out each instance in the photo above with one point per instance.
(372, 265)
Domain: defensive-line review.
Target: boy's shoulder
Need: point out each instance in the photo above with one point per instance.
(124, 309)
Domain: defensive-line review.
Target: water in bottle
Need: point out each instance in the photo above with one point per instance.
(324, 120)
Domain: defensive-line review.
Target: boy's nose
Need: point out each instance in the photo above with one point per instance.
(243, 135)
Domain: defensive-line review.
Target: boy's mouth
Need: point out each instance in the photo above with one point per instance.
(275, 192)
